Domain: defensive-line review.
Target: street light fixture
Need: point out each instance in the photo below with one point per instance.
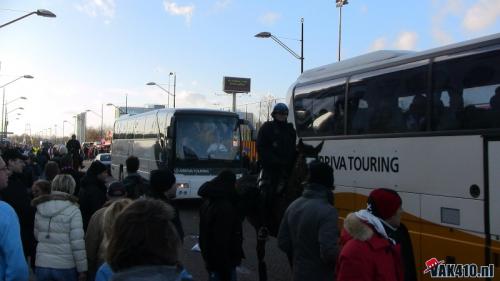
(166, 91)
(3, 100)
(39, 12)
(301, 56)
(119, 109)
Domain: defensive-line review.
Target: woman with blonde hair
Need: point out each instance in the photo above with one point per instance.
(99, 231)
(60, 253)
(144, 245)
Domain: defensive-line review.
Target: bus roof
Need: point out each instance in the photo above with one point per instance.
(380, 58)
(180, 111)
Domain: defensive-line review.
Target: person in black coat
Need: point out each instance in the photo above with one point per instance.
(161, 187)
(221, 234)
(134, 183)
(92, 193)
(17, 195)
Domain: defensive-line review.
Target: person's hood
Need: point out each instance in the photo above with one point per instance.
(91, 180)
(318, 191)
(359, 228)
(211, 189)
(53, 204)
(148, 273)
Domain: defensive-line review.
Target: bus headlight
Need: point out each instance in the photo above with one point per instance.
(182, 185)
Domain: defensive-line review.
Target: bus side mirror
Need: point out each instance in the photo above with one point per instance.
(170, 134)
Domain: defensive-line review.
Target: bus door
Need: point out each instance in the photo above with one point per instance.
(493, 169)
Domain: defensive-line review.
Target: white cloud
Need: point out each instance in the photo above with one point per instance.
(443, 10)
(364, 9)
(177, 10)
(93, 8)
(407, 40)
(222, 4)
(379, 44)
(269, 18)
(481, 15)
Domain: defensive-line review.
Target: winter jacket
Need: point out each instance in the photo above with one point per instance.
(17, 195)
(13, 266)
(308, 234)
(142, 272)
(93, 241)
(366, 254)
(135, 185)
(92, 197)
(151, 273)
(59, 232)
(221, 234)
(276, 146)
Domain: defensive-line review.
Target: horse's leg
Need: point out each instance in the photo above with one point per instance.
(261, 253)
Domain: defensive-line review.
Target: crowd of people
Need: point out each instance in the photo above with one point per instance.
(63, 224)
(60, 223)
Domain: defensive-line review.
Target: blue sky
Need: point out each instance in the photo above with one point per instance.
(95, 51)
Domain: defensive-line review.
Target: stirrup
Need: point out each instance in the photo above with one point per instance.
(263, 233)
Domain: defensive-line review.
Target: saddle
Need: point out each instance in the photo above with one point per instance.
(265, 182)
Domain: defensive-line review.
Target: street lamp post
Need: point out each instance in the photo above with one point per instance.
(175, 79)
(166, 91)
(340, 4)
(3, 100)
(39, 12)
(301, 56)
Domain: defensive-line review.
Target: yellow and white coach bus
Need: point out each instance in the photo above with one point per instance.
(426, 124)
(195, 144)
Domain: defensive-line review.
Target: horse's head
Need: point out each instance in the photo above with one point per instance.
(307, 151)
(305, 154)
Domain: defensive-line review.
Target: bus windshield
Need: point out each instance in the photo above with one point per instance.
(207, 137)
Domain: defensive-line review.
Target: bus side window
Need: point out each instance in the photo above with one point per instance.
(464, 88)
(318, 113)
(391, 102)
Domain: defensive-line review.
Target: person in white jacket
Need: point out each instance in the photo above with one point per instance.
(60, 253)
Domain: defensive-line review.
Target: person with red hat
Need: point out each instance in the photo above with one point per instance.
(368, 251)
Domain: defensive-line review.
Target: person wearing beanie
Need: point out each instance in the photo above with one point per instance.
(308, 231)
(221, 232)
(92, 193)
(368, 251)
(162, 187)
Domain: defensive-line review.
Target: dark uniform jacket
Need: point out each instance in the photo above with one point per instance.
(276, 146)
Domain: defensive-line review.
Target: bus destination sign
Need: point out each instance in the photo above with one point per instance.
(236, 85)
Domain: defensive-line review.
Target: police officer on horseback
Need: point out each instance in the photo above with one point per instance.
(74, 147)
(276, 149)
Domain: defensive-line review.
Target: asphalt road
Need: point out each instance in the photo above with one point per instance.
(277, 264)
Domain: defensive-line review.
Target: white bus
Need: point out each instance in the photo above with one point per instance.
(193, 143)
(426, 124)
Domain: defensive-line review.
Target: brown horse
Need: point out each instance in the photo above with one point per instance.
(250, 197)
